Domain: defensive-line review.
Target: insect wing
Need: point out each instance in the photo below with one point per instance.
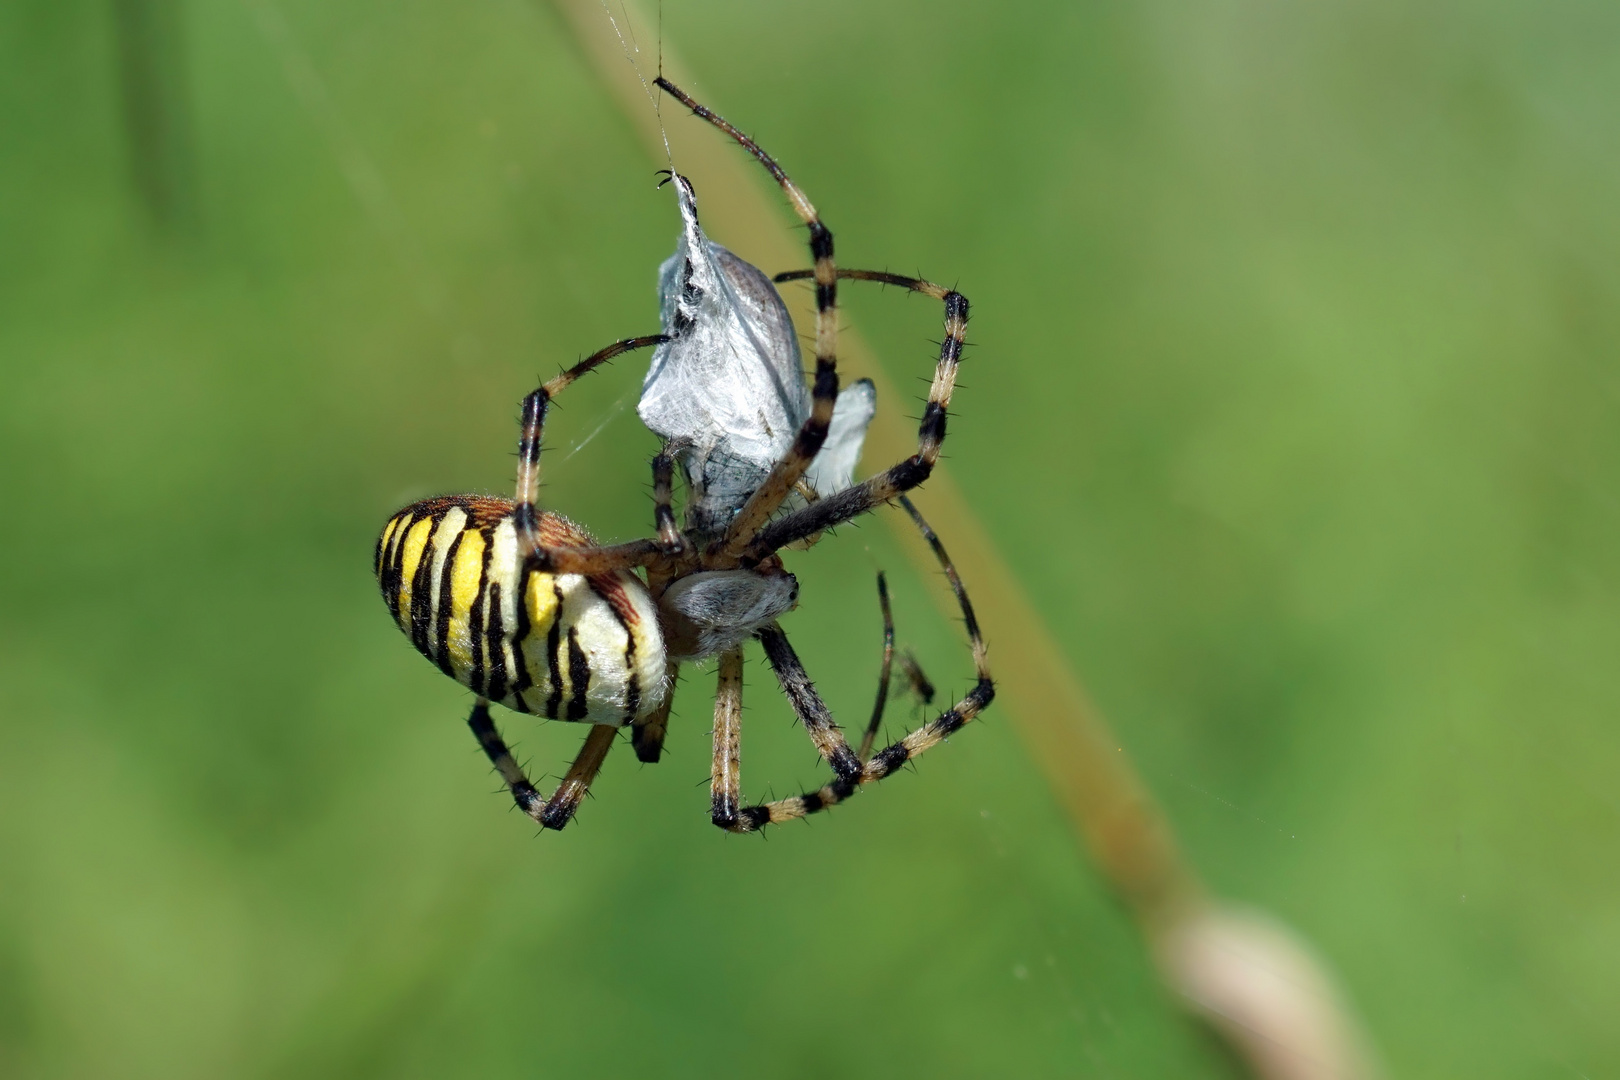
(833, 469)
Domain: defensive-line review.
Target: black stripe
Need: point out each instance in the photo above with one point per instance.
(534, 415)
(422, 592)
(558, 815)
(845, 765)
(475, 618)
(890, 760)
(826, 384)
(579, 675)
(441, 627)
(526, 797)
(948, 723)
(908, 474)
(812, 801)
(933, 423)
(723, 809)
(388, 573)
(520, 634)
(497, 647)
(754, 817)
(821, 241)
(553, 647)
(484, 729)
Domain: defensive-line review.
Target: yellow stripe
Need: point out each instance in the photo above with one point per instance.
(542, 601)
(415, 540)
(463, 591)
(444, 537)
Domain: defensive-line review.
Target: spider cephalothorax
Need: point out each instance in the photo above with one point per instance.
(521, 606)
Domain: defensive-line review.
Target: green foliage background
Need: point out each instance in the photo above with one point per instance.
(1293, 404)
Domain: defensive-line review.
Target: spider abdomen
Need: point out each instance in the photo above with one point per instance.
(563, 646)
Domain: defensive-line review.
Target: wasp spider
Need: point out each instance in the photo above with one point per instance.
(522, 607)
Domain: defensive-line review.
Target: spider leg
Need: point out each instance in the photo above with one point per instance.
(883, 673)
(557, 811)
(788, 470)
(669, 535)
(891, 758)
(807, 704)
(898, 479)
(647, 735)
(812, 713)
(526, 516)
(725, 778)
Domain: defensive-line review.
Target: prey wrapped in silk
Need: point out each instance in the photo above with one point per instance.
(728, 391)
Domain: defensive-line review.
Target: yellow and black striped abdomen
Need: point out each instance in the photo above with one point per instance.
(559, 645)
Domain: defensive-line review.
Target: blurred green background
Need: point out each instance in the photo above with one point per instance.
(1293, 404)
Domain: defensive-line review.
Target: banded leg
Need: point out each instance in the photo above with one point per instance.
(526, 516)
(888, 760)
(725, 777)
(883, 673)
(647, 735)
(807, 706)
(786, 473)
(557, 811)
(898, 479)
(663, 470)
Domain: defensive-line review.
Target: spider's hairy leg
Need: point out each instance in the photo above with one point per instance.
(787, 471)
(557, 811)
(663, 470)
(984, 690)
(647, 736)
(883, 673)
(526, 515)
(725, 777)
(807, 704)
(908, 474)
(891, 758)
